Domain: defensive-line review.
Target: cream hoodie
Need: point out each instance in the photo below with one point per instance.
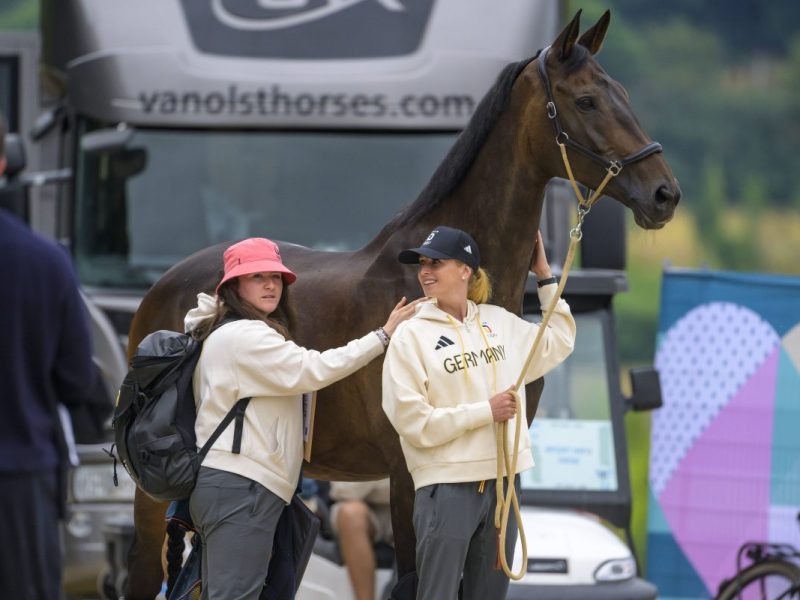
(439, 375)
(249, 358)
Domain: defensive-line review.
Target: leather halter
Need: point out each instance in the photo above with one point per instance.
(615, 166)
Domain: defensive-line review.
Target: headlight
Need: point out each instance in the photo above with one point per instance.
(94, 483)
(617, 569)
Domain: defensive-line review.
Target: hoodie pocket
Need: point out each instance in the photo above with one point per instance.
(277, 448)
(272, 439)
(265, 443)
(476, 445)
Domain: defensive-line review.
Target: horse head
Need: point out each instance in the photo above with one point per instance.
(590, 114)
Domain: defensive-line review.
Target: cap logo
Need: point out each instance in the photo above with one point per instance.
(468, 248)
(429, 239)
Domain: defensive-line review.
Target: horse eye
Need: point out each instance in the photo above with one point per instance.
(586, 103)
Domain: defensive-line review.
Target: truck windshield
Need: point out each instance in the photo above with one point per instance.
(170, 193)
(572, 436)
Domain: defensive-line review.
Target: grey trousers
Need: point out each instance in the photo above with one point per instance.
(236, 518)
(456, 539)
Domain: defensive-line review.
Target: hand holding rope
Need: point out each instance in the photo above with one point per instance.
(508, 463)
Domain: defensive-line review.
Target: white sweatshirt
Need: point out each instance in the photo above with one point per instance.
(248, 358)
(439, 375)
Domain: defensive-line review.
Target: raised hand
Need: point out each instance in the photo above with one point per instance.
(539, 265)
(400, 313)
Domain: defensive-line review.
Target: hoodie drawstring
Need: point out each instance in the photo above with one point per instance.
(454, 324)
(460, 345)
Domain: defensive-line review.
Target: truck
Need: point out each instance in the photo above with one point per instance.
(168, 127)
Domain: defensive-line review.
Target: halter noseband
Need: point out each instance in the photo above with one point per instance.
(614, 166)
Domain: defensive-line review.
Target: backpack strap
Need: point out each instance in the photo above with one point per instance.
(239, 409)
(237, 412)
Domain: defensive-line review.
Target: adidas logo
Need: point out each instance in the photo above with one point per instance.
(468, 248)
(443, 343)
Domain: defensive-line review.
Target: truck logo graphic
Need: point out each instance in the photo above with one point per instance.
(307, 29)
(283, 17)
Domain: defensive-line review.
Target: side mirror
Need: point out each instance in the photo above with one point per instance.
(645, 388)
(15, 155)
(129, 162)
(46, 122)
(106, 141)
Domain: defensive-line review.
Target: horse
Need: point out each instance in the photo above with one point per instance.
(491, 183)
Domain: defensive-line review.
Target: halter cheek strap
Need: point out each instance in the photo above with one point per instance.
(562, 139)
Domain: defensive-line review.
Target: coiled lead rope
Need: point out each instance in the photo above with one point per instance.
(506, 464)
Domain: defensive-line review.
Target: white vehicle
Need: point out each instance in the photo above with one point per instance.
(191, 122)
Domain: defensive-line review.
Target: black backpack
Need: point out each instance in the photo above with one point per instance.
(155, 414)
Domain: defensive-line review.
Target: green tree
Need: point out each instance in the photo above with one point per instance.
(754, 194)
(19, 15)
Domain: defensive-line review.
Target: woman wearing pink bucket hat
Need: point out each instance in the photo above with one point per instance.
(251, 471)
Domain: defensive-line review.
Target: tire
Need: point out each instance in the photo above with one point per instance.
(105, 586)
(779, 574)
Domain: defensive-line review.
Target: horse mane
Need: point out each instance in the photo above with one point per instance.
(459, 159)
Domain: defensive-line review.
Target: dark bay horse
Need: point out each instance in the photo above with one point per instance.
(491, 184)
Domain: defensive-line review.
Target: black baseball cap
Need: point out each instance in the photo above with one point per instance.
(445, 242)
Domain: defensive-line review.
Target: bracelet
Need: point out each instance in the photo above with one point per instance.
(382, 336)
(548, 281)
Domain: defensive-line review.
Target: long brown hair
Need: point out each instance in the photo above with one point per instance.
(231, 304)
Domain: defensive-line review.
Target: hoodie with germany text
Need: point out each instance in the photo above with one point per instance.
(439, 374)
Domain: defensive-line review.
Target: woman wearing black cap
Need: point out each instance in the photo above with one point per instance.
(447, 378)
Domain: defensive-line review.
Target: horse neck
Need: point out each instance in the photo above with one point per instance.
(499, 203)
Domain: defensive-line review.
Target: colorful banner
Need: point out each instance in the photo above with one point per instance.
(725, 453)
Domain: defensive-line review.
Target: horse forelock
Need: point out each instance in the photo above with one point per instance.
(576, 59)
(459, 159)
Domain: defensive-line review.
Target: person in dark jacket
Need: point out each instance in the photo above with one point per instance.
(45, 360)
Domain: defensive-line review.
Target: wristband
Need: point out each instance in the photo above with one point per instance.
(382, 336)
(548, 281)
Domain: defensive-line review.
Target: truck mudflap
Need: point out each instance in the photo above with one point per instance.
(632, 589)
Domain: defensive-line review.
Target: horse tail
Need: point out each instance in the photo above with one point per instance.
(175, 547)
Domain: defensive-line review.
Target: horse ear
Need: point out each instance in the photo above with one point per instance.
(593, 38)
(566, 39)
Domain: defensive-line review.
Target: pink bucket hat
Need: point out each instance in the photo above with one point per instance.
(254, 255)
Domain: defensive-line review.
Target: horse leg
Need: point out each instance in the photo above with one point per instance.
(145, 571)
(405, 540)
(402, 505)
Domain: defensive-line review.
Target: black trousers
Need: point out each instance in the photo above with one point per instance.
(30, 550)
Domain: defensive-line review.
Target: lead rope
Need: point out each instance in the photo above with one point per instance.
(505, 463)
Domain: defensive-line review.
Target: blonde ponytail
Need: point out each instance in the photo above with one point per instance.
(480, 287)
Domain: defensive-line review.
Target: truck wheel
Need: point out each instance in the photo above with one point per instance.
(105, 586)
